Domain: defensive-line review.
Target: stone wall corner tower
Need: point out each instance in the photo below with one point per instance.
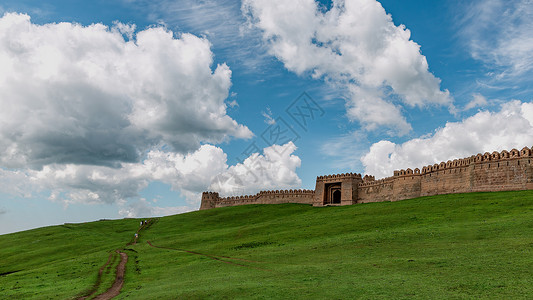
(209, 200)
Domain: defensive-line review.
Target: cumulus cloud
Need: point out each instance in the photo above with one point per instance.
(73, 94)
(189, 174)
(69, 183)
(92, 114)
(274, 169)
(356, 46)
(511, 127)
(373, 111)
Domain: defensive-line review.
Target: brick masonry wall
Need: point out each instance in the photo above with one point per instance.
(456, 180)
(265, 197)
(489, 172)
(376, 191)
(497, 171)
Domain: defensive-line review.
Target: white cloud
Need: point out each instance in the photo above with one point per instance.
(189, 174)
(511, 127)
(73, 94)
(500, 33)
(220, 21)
(478, 100)
(126, 29)
(356, 46)
(369, 107)
(275, 169)
(142, 208)
(268, 117)
(92, 115)
(15, 182)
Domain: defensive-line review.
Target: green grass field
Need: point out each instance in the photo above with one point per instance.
(442, 247)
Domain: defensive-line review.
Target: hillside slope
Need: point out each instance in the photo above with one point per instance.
(60, 262)
(449, 246)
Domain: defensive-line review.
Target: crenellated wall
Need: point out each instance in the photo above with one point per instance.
(263, 197)
(496, 171)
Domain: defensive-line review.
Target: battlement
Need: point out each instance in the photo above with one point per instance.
(299, 191)
(496, 171)
(382, 181)
(263, 197)
(480, 158)
(210, 194)
(267, 193)
(339, 176)
(407, 172)
(369, 178)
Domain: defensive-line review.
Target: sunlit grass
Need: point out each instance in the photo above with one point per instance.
(59, 261)
(450, 246)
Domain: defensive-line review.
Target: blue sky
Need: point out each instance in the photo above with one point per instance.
(132, 108)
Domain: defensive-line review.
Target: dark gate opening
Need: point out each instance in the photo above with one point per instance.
(332, 193)
(337, 197)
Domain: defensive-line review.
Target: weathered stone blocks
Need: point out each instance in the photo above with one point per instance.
(496, 171)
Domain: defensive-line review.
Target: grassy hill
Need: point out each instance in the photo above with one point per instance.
(450, 246)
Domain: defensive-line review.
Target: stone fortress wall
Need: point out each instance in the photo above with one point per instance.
(496, 171)
(212, 199)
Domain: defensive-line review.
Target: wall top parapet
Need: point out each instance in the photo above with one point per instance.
(340, 176)
(404, 177)
(298, 191)
(210, 194)
(479, 158)
(408, 172)
(385, 180)
(267, 193)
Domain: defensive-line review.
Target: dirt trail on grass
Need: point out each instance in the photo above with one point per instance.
(214, 257)
(119, 279)
(98, 279)
(121, 270)
(121, 267)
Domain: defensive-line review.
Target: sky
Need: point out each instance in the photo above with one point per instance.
(133, 108)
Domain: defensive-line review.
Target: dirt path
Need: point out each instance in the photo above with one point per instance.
(121, 269)
(214, 257)
(119, 279)
(98, 279)
(144, 225)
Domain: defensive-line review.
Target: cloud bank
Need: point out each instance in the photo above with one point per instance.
(511, 127)
(73, 94)
(93, 115)
(356, 46)
(274, 169)
(189, 174)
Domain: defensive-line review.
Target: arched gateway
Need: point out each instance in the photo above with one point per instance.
(497, 171)
(336, 197)
(337, 189)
